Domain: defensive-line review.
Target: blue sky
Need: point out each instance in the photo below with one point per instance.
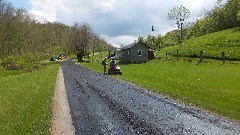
(21, 4)
(117, 21)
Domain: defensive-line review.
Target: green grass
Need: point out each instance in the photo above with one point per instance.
(208, 85)
(25, 101)
(6, 73)
(213, 45)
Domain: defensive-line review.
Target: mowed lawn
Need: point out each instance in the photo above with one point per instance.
(25, 101)
(208, 85)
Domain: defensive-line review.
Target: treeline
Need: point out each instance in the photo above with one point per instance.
(21, 33)
(224, 16)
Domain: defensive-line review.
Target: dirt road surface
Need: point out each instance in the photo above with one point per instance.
(62, 121)
(101, 105)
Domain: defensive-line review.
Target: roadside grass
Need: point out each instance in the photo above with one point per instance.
(26, 99)
(212, 46)
(208, 85)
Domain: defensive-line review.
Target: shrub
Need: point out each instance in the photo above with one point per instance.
(27, 62)
(11, 63)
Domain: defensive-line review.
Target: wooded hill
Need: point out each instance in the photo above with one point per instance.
(21, 34)
(218, 31)
(225, 15)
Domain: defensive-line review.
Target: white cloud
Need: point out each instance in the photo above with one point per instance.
(122, 21)
(43, 11)
(120, 40)
(197, 4)
(108, 4)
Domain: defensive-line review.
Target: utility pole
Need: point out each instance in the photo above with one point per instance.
(181, 29)
(152, 34)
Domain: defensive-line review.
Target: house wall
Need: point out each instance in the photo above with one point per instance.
(135, 49)
(131, 55)
(125, 58)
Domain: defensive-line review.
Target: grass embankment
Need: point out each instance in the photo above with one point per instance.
(25, 100)
(212, 45)
(208, 85)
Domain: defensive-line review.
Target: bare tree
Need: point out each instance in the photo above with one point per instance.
(179, 14)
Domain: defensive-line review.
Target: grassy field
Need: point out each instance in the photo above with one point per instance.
(25, 100)
(212, 45)
(209, 85)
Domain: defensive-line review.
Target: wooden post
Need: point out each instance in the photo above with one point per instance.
(223, 57)
(201, 56)
(105, 66)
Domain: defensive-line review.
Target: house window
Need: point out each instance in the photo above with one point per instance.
(128, 53)
(139, 52)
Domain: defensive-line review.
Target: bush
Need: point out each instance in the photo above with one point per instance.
(27, 62)
(11, 63)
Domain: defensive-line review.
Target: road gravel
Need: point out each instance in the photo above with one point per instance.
(102, 105)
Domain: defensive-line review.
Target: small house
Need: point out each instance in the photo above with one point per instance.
(136, 52)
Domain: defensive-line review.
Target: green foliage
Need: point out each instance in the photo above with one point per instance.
(27, 62)
(222, 17)
(155, 43)
(179, 15)
(207, 85)
(238, 15)
(170, 39)
(213, 45)
(20, 33)
(26, 100)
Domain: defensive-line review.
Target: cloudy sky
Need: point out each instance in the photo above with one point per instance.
(117, 21)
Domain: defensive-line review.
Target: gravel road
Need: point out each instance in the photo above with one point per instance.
(101, 105)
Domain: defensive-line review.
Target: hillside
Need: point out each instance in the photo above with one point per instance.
(212, 44)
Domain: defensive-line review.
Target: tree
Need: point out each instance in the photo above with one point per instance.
(81, 35)
(140, 39)
(21, 33)
(224, 16)
(179, 15)
(238, 15)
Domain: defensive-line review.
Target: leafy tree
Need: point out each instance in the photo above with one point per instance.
(81, 35)
(238, 15)
(224, 16)
(140, 39)
(179, 15)
(22, 34)
(152, 42)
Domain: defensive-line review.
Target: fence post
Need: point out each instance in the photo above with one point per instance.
(166, 56)
(223, 57)
(201, 56)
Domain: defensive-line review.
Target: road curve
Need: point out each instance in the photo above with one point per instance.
(102, 105)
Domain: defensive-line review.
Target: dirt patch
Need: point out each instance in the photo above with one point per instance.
(62, 121)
